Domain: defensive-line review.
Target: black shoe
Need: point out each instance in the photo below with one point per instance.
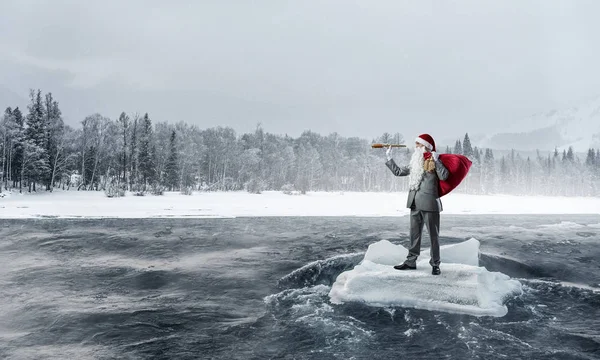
(435, 270)
(405, 267)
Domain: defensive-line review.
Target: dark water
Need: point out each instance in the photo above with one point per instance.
(255, 288)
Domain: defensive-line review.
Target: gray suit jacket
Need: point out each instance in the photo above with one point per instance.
(426, 198)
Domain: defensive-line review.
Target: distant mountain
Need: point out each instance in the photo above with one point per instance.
(578, 127)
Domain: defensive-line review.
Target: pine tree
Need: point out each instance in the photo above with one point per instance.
(124, 123)
(448, 151)
(134, 152)
(34, 162)
(570, 154)
(458, 149)
(172, 167)
(18, 139)
(146, 155)
(36, 126)
(590, 160)
(259, 135)
(54, 134)
(488, 157)
(596, 172)
(589, 171)
(476, 154)
(466, 147)
(36, 134)
(528, 177)
(488, 171)
(6, 123)
(504, 174)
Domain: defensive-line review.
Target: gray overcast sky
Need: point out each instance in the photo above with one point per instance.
(356, 67)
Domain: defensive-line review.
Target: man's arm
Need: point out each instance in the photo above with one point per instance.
(397, 170)
(440, 169)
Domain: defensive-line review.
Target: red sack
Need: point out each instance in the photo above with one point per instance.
(458, 166)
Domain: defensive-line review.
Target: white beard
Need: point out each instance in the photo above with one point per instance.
(416, 168)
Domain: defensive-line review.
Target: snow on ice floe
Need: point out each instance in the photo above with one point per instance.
(463, 287)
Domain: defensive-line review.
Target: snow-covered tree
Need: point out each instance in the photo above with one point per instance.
(36, 134)
(458, 149)
(16, 154)
(55, 143)
(172, 167)
(309, 168)
(467, 149)
(146, 155)
(124, 124)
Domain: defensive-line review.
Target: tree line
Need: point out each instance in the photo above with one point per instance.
(131, 153)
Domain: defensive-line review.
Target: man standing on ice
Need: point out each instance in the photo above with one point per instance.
(424, 174)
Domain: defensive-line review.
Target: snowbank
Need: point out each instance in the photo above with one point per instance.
(90, 204)
(463, 287)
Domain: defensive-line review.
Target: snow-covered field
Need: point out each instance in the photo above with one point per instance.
(90, 204)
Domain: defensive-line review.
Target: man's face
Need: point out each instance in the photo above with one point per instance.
(420, 147)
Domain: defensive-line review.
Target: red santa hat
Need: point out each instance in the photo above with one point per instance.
(427, 141)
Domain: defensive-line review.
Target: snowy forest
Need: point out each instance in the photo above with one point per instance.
(131, 153)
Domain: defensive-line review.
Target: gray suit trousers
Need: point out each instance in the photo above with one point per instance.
(419, 218)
